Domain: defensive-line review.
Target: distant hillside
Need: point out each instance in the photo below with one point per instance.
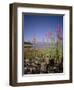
(38, 44)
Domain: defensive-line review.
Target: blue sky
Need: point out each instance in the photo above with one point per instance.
(38, 25)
